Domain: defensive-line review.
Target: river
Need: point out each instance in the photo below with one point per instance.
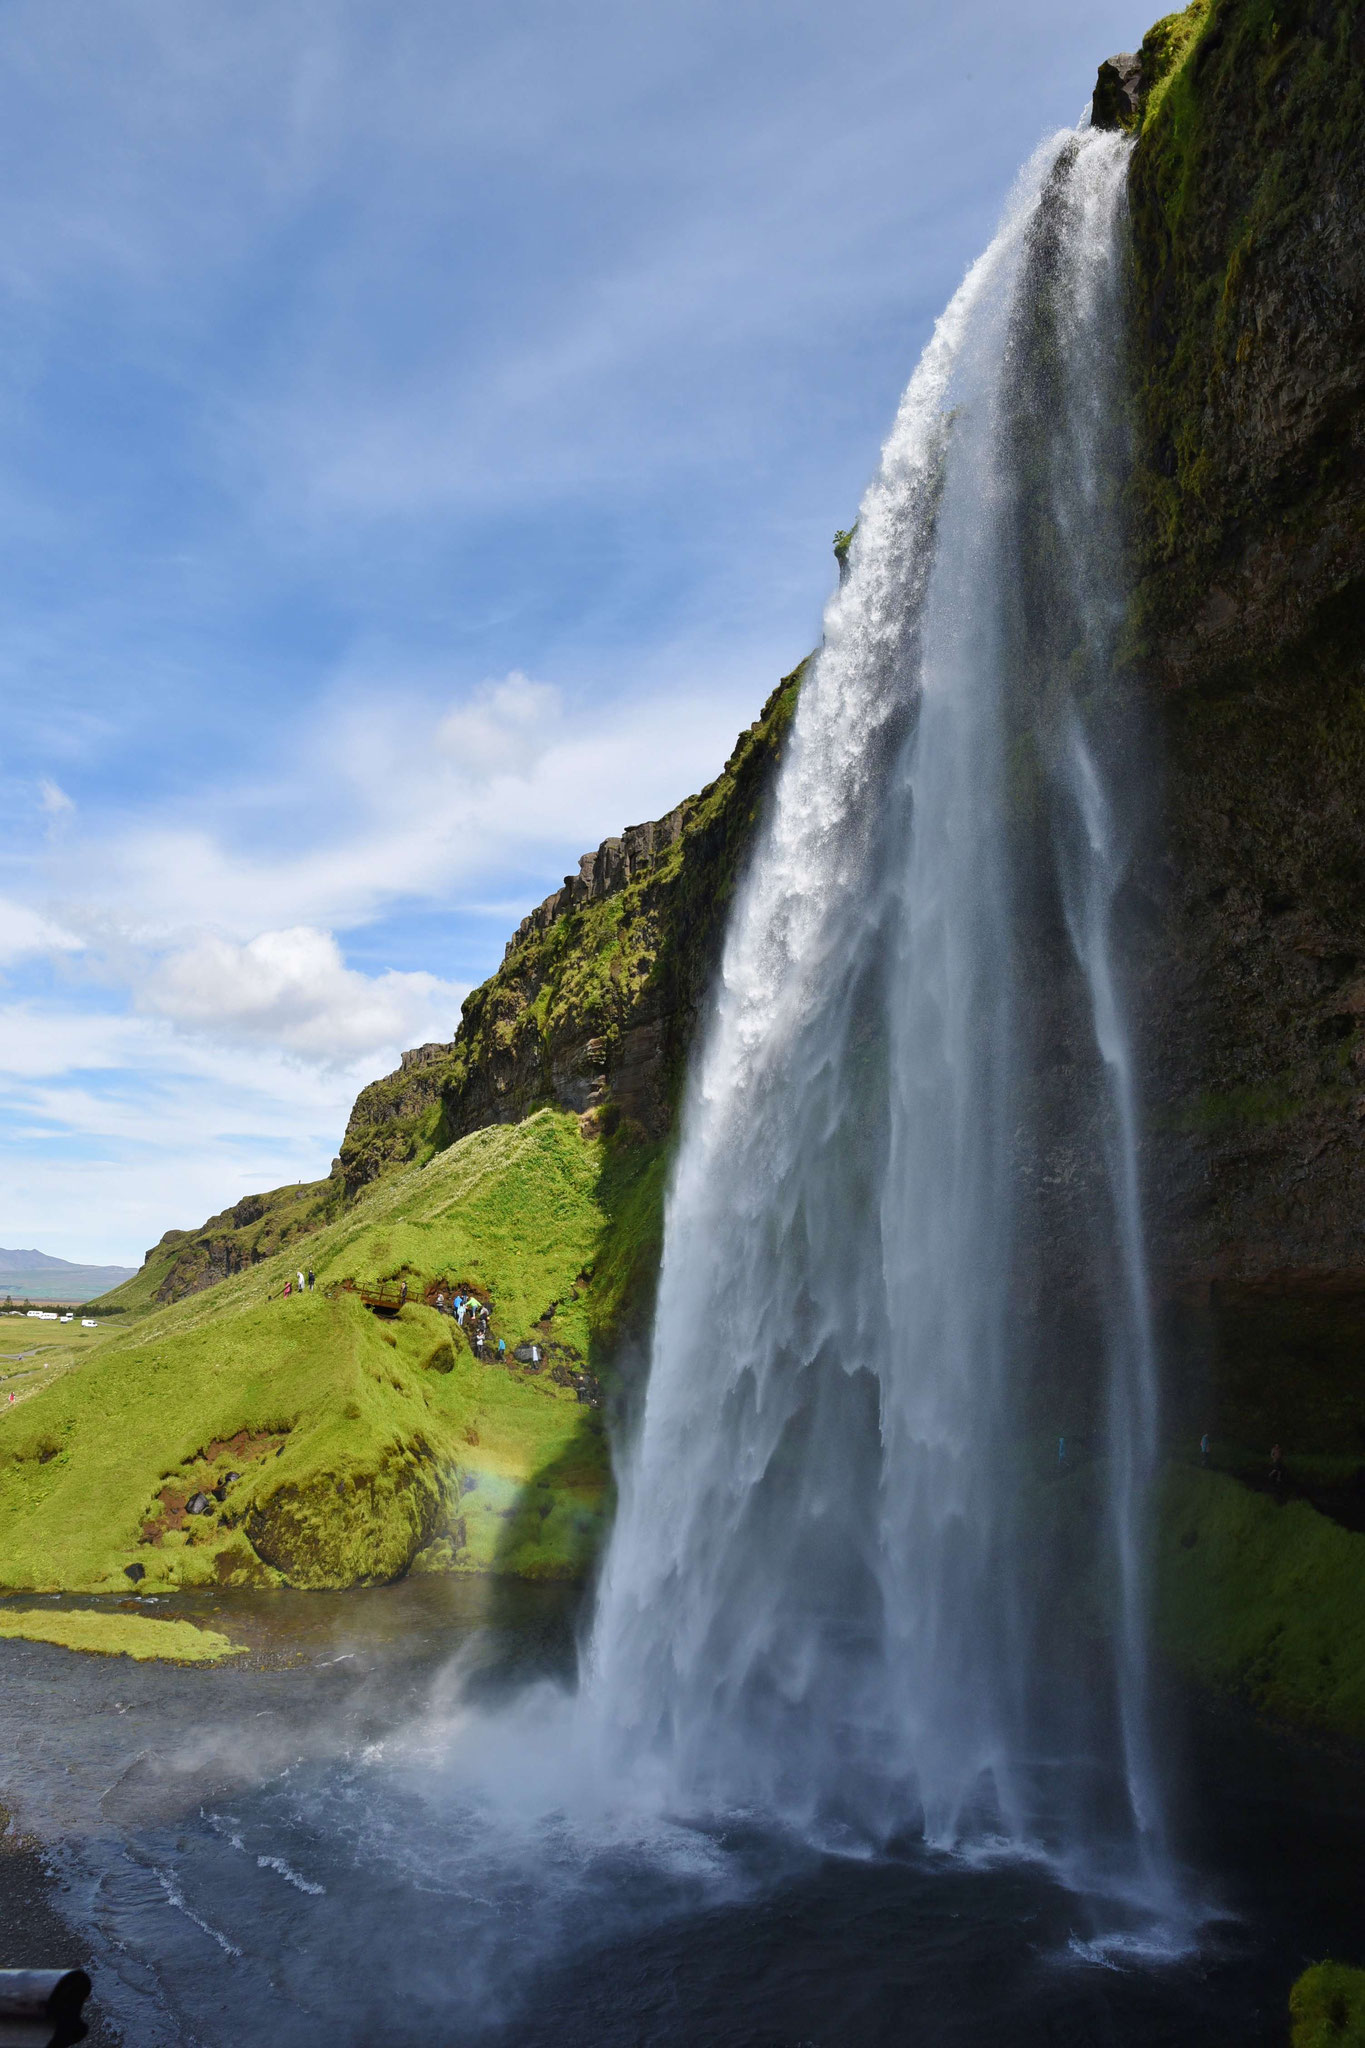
(301, 1848)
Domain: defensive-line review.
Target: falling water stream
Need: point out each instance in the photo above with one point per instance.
(831, 1592)
(864, 1745)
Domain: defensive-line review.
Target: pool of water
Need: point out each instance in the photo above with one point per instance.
(304, 1847)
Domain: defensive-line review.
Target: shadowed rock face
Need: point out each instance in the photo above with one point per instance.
(1248, 326)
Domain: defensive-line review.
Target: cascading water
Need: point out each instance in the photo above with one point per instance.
(903, 1250)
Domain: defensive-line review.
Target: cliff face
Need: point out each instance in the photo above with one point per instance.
(1248, 328)
(595, 1004)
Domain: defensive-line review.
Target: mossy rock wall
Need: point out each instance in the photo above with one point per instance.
(1248, 326)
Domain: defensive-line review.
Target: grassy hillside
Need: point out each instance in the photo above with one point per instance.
(256, 1227)
(363, 1448)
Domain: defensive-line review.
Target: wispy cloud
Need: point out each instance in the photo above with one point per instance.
(25, 932)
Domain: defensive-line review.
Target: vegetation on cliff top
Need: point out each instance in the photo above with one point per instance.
(598, 1009)
(183, 1261)
(362, 1448)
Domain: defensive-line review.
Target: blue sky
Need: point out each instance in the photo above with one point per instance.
(423, 436)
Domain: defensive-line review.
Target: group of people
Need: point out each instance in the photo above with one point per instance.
(1276, 1478)
(464, 1305)
(304, 1284)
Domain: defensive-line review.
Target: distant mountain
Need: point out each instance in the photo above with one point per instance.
(42, 1262)
(37, 1276)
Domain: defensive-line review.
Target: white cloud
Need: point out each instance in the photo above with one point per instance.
(114, 1127)
(292, 990)
(435, 801)
(24, 931)
(54, 798)
(504, 729)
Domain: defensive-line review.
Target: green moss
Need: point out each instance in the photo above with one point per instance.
(1165, 47)
(1327, 2007)
(120, 1635)
(1233, 1109)
(1263, 1599)
(358, 1444)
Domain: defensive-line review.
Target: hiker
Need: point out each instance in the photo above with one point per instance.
(1277, 1474)
(1205, 1446)
(310, 1279)
(289, 1287)
(440, 1304)
(460, 1306)
(402, 1294)
(300, 1282)
(473, 1308)
(502, 1350)
(478, 1344)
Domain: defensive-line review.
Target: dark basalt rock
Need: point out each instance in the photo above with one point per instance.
(198, 1504)
(136, 1572)
(1118, 90)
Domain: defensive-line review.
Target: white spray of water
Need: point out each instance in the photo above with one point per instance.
(828, 1593)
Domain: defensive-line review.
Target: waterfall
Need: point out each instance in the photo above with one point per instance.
(893, 1454)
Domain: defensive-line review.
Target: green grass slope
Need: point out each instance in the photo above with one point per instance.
(1327, 2007)
(363, 1448)
(1263, 1599)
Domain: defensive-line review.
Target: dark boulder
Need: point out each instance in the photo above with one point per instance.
(136, 1572)
(198, 1504)
(1117, 92)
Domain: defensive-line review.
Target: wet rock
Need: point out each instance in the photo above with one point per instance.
(136, 1572)
(198, 1504)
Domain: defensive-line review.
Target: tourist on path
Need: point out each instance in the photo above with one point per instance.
(300, 1283)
